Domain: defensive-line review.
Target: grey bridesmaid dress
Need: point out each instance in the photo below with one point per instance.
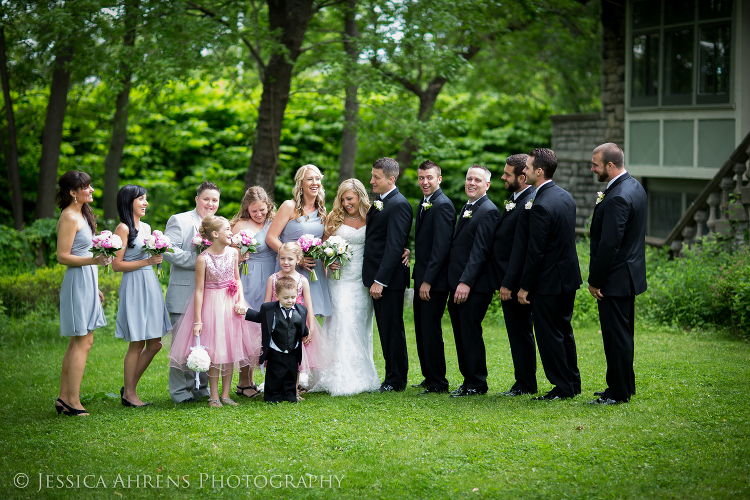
(260, 267)
(80, 308)
(311, 224)
(142, 314)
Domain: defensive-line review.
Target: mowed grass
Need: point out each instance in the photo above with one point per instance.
(686, 434)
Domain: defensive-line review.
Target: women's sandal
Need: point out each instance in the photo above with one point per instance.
(241, 391)
(228, 402)
(59, 407)
(214, 403)
(69, 411)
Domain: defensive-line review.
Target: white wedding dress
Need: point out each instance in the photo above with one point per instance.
(349, 327)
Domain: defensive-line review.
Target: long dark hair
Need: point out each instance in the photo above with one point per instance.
(125, 198)
(73, 181)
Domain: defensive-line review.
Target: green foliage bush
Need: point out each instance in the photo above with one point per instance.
(19, 250)
(26, 292)
(710, 284)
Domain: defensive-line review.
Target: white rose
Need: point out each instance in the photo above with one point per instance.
(197, 240)
(328, 251)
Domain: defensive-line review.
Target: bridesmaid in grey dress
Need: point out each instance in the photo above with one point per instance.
(142, 318)
(80, 299)
(304, 214)
(256, 213)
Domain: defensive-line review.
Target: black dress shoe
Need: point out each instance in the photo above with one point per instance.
(386, 388)
(605, 401)
(599, 393)
(421, 384)
(550, 396)
(188, 400)
(469, 392)
(514, 392)
(430, 390)
(458, 390)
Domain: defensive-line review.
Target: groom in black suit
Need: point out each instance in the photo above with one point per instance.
(551, 275)
(436, 217)
(508, 257)
(469, 280)
(388, 225)
(617, 269)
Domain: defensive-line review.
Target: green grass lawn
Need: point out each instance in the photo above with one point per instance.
(685, 435)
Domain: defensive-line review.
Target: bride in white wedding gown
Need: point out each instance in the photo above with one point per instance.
(349, 327)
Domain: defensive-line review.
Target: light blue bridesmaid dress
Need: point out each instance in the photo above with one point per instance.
(260, 267)
(142, 314)
(80, 308)
(311, 224)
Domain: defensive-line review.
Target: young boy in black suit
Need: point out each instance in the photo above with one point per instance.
(283, 325)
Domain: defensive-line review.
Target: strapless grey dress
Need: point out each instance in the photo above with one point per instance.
(80, 308)
(321, 301)
(142, 314)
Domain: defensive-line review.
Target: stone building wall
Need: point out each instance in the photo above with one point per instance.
(574, 136)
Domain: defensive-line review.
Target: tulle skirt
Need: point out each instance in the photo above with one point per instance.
(318, 353)
(231, 342)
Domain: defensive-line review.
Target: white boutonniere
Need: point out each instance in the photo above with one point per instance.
(509, 205)
(426, 205)
(467, 214)
(378, 205)
(599, 197)
(528, 204)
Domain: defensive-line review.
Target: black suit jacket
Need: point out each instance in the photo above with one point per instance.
(432, 242)
(265, 318)
(510, 243)
(471, 245)
(618, 240)
(387, 232)
(551, 260)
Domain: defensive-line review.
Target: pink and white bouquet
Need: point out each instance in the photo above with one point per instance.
(311, 246)
(106, 243)
(336, 249)
(157, 244)
(200, 244)
(246, 242)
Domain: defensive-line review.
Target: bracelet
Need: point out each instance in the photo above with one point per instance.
(198, 323)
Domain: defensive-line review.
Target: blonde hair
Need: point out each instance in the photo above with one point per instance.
(338, 213)
(293, 248)
(297, 194)
(254, 194)
(210, 224)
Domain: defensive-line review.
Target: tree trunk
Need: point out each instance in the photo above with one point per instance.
(290, 17)
(14, 173)
(427, 100)
(53, 130)
(351, 104)
(120, 124)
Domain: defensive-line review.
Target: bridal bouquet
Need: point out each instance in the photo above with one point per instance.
(246, 242)
(106, 243)
(200, 244)
(198, 360)
(336, 249)
(311, 246)
(157, 244)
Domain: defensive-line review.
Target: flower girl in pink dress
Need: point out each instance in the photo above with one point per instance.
(316, 353)
(209, 317)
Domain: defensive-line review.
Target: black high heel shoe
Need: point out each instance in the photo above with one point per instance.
(69, 411)
(125, 402)
(61, 407)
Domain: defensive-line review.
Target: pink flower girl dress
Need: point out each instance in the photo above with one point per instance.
(228, 338)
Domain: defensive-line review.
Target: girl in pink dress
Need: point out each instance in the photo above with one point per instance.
(209, 316)
(316, 353)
